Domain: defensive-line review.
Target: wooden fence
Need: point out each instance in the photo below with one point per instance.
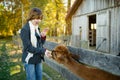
(106, 62)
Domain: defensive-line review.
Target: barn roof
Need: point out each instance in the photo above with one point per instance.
(73, 9)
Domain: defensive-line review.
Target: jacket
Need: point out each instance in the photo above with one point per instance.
(38, 52)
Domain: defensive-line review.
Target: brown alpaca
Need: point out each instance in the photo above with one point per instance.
(63, 56)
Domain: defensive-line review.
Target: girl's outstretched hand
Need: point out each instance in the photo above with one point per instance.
(48, 54)
(44, 32)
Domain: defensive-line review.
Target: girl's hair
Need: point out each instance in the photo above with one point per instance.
(35, 13)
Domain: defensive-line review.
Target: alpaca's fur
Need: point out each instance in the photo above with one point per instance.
(62, 55)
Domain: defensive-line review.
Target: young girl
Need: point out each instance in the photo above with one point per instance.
(33, 50)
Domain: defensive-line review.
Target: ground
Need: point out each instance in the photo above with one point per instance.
(11, 66)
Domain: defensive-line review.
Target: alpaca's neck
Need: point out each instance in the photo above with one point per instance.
(75, 67)
(89, 73)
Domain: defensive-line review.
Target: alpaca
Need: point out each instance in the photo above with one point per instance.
(62, 55)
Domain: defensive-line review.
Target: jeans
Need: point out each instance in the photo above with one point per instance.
(33, 71)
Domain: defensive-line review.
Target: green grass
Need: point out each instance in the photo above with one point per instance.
(11, 67)
(52, 73)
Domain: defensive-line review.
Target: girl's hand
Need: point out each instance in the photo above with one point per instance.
(48, 54)
(44, 32)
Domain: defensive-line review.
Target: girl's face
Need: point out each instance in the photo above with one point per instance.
(36, 22)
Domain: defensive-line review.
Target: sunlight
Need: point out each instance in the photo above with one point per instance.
(14, 70)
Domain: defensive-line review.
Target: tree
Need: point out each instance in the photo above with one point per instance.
(14, 13)
(11, 15)
(54, 13)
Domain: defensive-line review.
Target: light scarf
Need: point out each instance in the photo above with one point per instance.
(33, 39)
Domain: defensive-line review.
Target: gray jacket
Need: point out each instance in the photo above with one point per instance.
(38, 53)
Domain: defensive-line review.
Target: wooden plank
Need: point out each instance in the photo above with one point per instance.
(65, 72)
(103, 30)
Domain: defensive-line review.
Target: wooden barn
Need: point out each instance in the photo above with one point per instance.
(95, 24)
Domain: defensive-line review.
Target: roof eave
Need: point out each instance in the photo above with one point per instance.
(73, 9)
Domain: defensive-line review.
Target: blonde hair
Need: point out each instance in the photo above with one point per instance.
(35, 13)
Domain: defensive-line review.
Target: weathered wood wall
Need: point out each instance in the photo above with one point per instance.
(91, 6)
(108, 24)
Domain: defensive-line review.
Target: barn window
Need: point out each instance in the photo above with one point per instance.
(92, 31)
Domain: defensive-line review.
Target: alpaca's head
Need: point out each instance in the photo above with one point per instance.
(60, 54)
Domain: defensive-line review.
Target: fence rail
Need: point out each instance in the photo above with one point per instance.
(107, 62)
